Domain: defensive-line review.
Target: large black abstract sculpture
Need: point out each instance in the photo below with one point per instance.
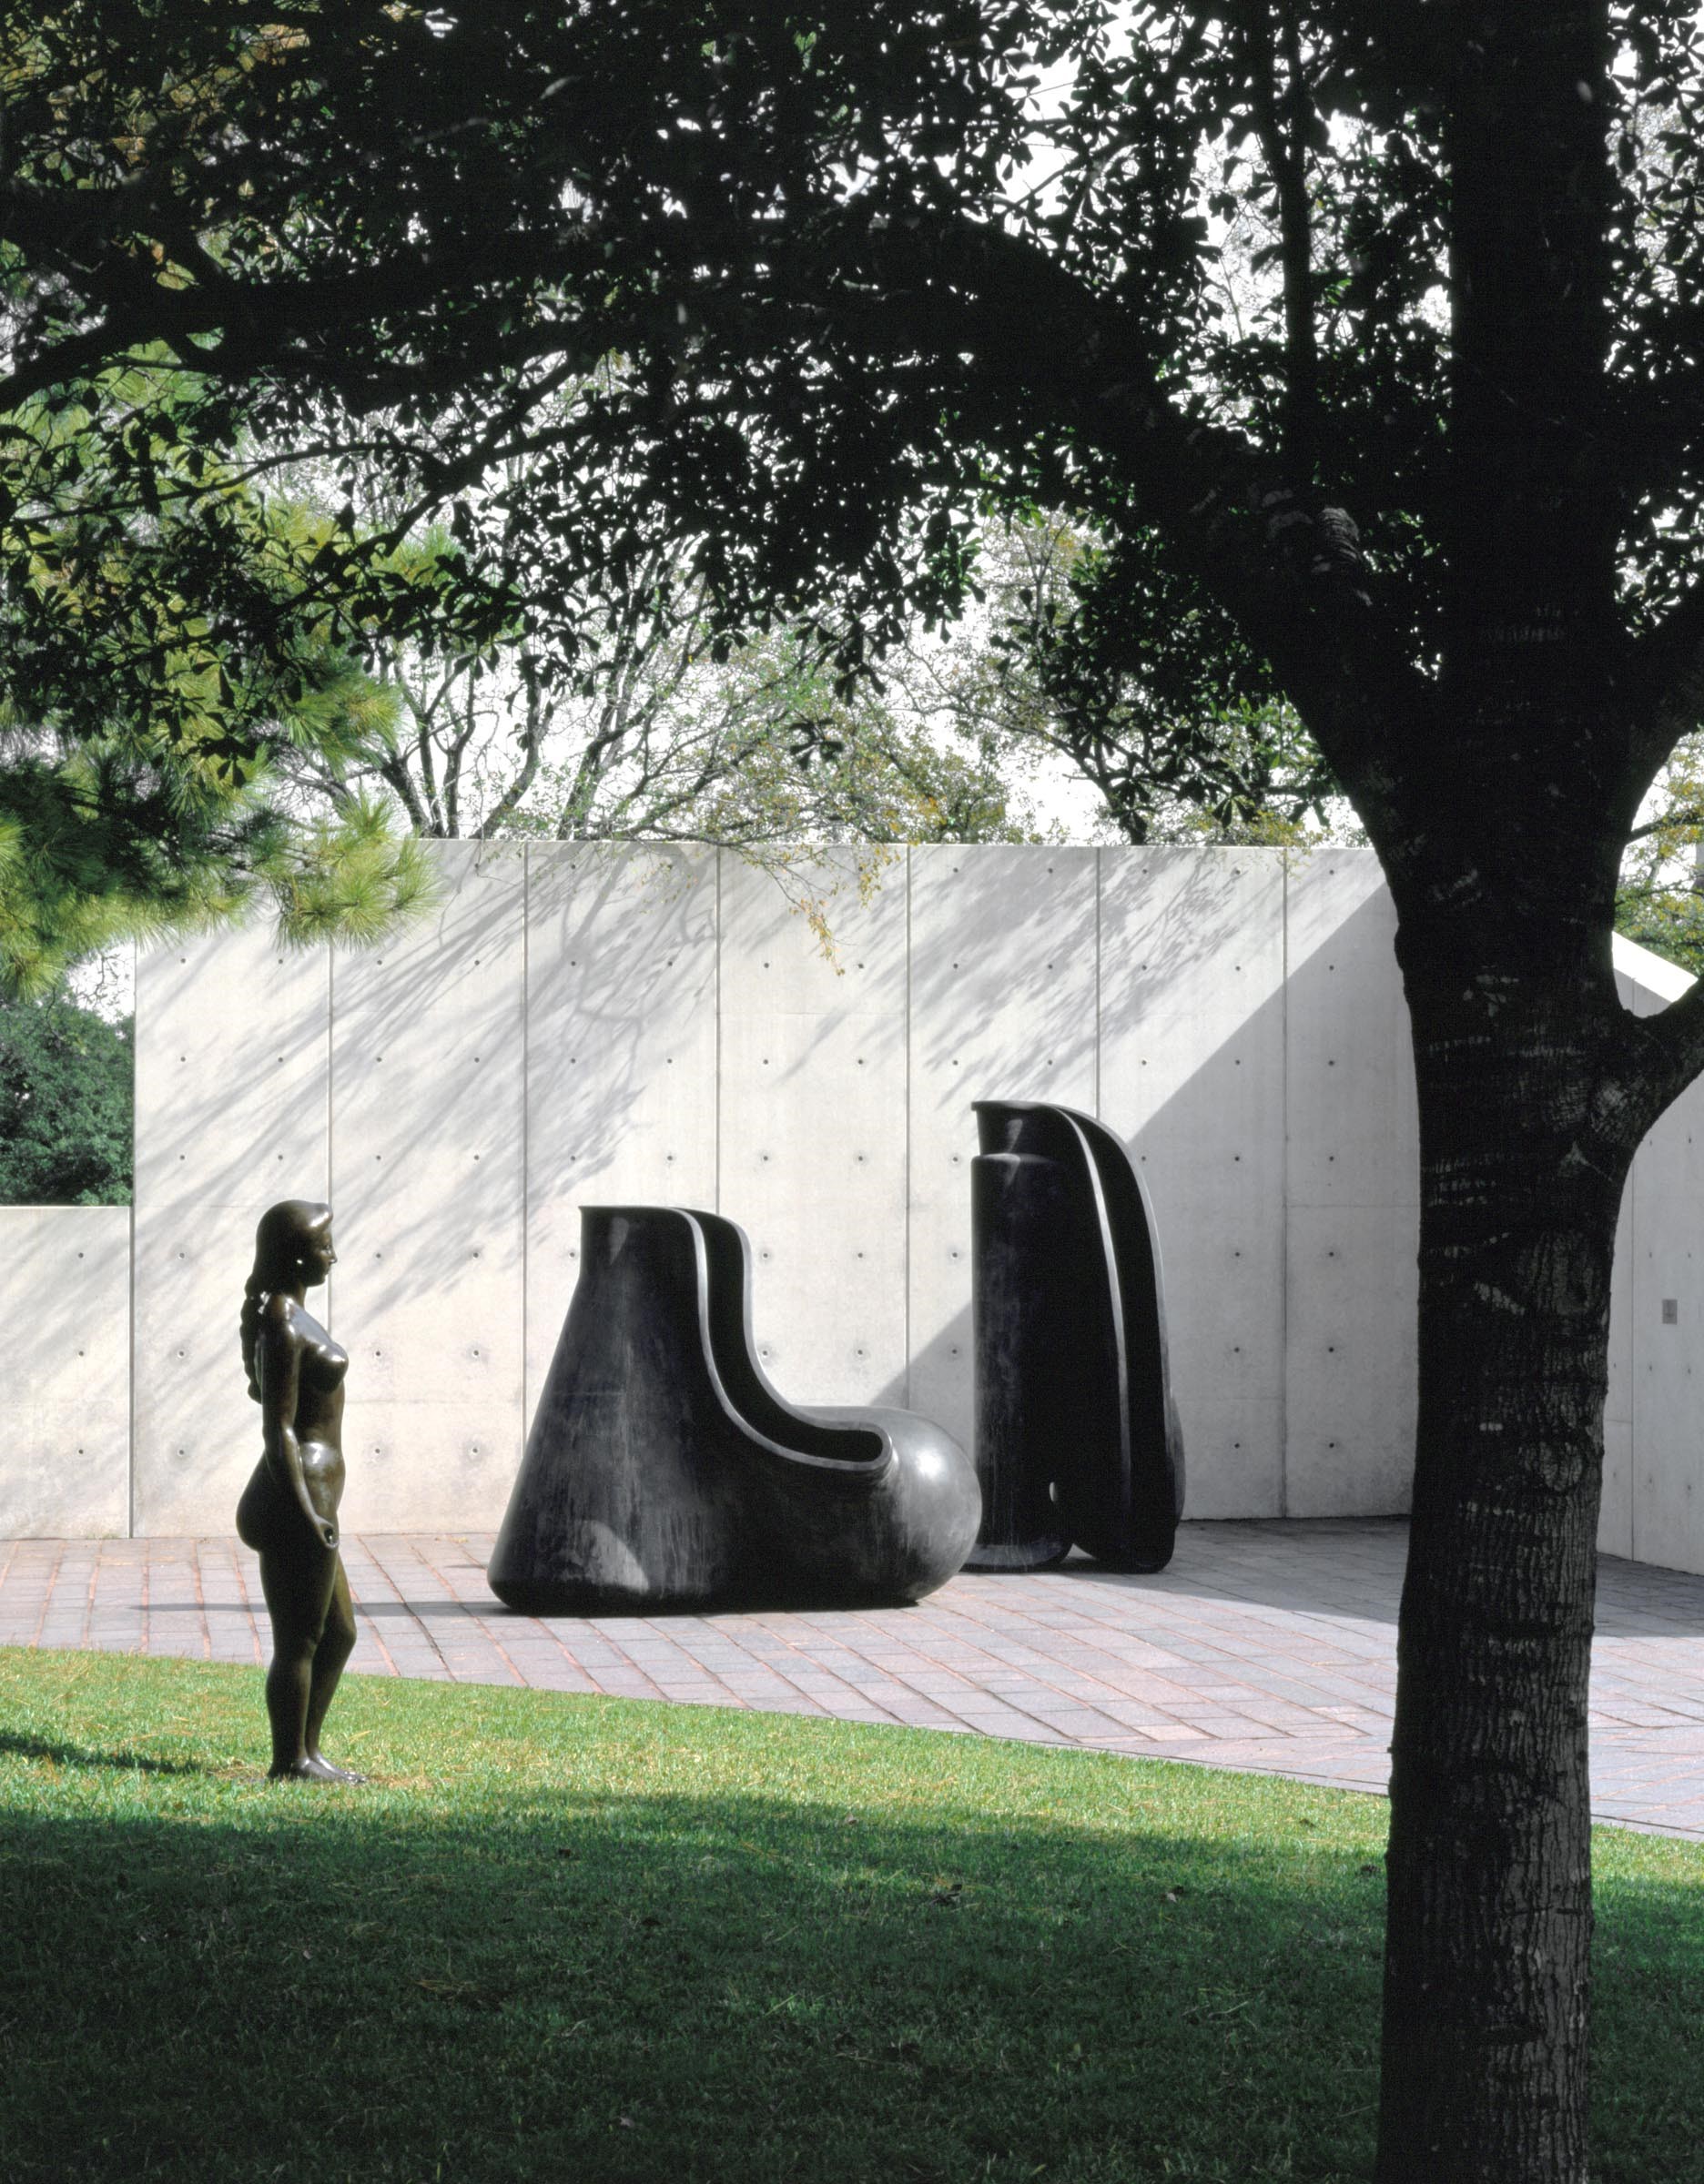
(1077, 1437)
(664, 1473)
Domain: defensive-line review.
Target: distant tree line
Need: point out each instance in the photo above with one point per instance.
(68, 1104)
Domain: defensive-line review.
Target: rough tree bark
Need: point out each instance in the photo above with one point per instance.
(1525, 1147)
(1505, 896)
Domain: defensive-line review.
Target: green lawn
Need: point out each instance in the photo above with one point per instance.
(579, 1939)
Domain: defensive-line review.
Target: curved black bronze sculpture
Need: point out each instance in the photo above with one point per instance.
(288, 1512)
(1077, 1437)
(662, 1471)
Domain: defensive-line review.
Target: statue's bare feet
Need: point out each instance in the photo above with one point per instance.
(310, 1767)
(332, 1770)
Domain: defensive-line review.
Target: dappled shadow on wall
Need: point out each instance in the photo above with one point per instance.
(621, 1022)
(427, 1100)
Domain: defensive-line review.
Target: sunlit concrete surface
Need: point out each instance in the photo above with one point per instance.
(574, 1025)
(1268, 1647)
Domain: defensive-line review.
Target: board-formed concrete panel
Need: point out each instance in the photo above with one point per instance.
(1352, 1290)
(1003, 1006)
(1351, 1281)
(65, 1401)
(812, 1123)
(1192, 1079)
(1353, 1135)
(428, 1187)
(620, 1052)
(231, 1071)
(232, 1114)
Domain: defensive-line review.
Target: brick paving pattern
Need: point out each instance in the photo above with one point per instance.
(1268, 1647)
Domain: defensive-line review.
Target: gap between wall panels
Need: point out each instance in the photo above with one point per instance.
(526, 1137)
(130, 1317)
(1284, 1099)
(907, 1267)
(330, 1116)
(1100, 987)
(1632, 1190)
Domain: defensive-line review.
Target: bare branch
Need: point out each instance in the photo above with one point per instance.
(538, 715)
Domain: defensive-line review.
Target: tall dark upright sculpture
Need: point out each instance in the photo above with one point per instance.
(1077, 1437)
(289, 1510)
(664, 1471)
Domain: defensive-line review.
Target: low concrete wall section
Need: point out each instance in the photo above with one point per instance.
(65, 1396)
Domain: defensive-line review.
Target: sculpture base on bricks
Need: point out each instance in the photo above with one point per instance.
(1077, 1436)
(664, 1473)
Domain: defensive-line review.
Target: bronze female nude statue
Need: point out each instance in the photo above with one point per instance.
(288, 1513)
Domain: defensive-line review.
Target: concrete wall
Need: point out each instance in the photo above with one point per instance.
(578, 1025)
(233, 1111)
(65, 1397)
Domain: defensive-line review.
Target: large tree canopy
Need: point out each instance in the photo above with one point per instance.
(830, 282)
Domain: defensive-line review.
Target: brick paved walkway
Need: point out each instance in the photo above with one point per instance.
(1264, 1646)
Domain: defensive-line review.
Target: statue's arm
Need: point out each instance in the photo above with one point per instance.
(280, 1381)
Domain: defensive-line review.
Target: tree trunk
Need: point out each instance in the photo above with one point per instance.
(1523, 1160)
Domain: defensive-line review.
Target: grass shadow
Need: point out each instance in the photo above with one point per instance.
(61, 1754)
(587, 1938)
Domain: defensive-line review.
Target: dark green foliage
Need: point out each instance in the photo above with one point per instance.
(1670, 922)
(1158, 700)
(846, 320)
(68, 1101)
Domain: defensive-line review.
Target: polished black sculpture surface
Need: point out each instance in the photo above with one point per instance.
(1077, 1437)
(288, 1512)
(664, 1471)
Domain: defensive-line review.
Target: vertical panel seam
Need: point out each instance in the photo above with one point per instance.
(135, 1111)
(1634, 1336)
(330, 1115)
(1099, 876)
(906, 1267)
(130, 1407)
(526, 1127)
(1283, 1101)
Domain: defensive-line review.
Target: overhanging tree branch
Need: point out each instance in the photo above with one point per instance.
(1283, 114)
(1286, 563)
(1666, 679)
(1663, 1053)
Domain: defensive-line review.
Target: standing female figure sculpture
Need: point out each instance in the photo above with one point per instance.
(288, 1513)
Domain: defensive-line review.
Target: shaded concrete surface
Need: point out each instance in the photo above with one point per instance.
(1266, 1646)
